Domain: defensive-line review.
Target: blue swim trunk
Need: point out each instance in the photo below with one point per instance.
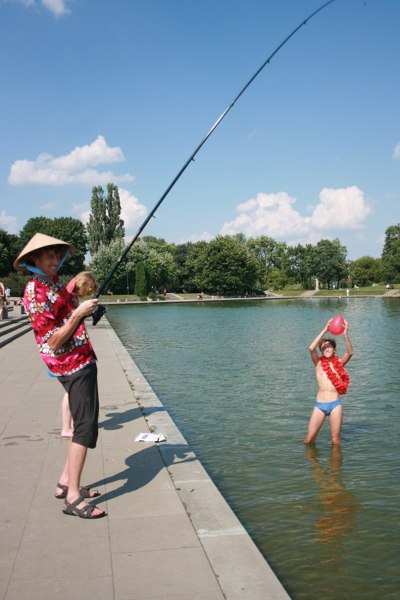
(327, 407)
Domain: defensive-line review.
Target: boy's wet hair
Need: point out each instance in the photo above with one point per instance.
(329, 340)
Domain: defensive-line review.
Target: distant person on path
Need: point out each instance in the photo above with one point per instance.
(2, 300)
(58, 325)
(332, 381)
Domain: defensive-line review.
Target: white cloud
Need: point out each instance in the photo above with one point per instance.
(74, 167)
(198, 237)
(267, 214)
(57, 7)
(96, 153)
(340, 209)
(80, 208)
(49, 206)
(132, 212)
(252, 134)
(8, 222)
(396, 151)
(274, 215)
(84, 215)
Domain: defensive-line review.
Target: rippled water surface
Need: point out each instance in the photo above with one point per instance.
(238, 381)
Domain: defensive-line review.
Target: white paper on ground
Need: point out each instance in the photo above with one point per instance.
(150, 437)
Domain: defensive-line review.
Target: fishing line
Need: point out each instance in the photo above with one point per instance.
(101, 309)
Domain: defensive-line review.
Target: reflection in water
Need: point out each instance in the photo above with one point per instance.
(338, 505)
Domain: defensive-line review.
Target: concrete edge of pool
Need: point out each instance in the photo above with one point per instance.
(169, 534)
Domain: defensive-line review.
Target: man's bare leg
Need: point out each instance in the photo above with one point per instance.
(64, 477)
(316, 421)
(73, 466)
(76, 457)
(335, 422)
(67, 430)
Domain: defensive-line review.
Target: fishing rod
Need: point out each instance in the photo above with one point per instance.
(101, 309)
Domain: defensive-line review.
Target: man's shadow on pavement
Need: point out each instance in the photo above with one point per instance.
(143, 466)
(116, 420)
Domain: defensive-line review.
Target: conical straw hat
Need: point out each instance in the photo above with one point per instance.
(39, 241)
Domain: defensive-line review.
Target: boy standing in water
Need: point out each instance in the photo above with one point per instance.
(332, 381)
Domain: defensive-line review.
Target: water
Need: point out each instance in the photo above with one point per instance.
(238, 380)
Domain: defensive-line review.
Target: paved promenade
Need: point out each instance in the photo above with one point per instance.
(168, 534)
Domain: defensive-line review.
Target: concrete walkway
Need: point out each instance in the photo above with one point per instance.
(169, 534)
(309, 294)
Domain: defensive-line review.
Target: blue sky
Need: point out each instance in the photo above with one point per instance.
(124, 90)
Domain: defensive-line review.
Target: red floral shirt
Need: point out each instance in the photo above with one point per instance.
(49, 305)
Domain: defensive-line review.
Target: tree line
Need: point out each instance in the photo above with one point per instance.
(227, 265)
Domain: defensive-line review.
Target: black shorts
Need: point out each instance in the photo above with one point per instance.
(84, 404)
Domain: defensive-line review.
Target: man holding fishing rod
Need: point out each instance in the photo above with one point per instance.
(57, 320)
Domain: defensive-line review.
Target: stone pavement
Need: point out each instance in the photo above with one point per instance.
(168, 534)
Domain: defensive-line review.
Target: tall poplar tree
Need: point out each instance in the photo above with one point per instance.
(391, 254)
(142, 284)
(105, 223)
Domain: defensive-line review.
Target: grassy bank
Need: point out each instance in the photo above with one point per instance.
(291, 293)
